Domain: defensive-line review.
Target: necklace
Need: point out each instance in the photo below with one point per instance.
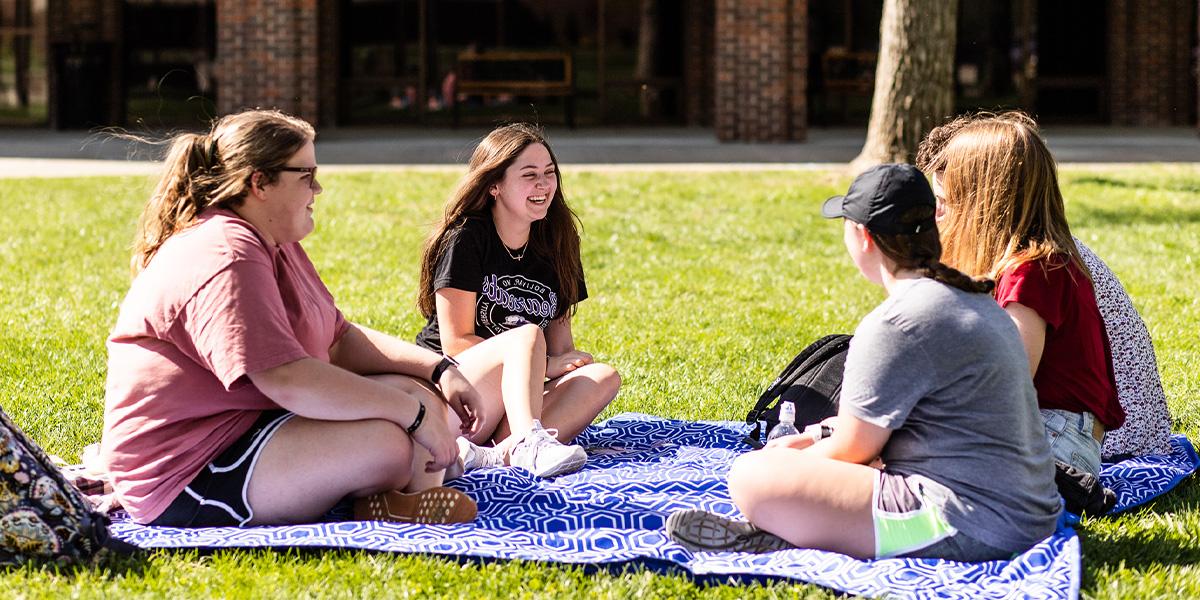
(518, 255)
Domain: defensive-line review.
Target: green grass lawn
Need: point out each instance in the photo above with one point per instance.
(703, 286)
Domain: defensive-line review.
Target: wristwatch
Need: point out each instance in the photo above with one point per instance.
(441, 367)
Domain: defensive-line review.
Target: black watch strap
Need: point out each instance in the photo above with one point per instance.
(441, 367)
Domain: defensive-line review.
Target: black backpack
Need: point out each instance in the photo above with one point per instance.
(812, 381)
(43, 517)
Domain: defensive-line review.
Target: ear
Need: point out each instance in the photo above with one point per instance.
(864, 237)
(494, 191)
(257, 182)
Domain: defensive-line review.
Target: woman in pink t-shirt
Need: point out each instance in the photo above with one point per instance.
(238, 394)
(1001, 215)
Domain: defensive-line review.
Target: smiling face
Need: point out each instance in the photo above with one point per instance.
(287, 207)
(528, 187)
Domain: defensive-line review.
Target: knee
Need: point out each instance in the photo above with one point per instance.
(750, 473)
(388, 454)
(531, 336)
(608, 379)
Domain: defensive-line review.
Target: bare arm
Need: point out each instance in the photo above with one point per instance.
(456, 319)
(365, 351)
(318, 390)
(561, 355)
(558, 336)
(1032, 328)
(853, 440)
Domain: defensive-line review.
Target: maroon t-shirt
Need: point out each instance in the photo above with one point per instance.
(1076, 372)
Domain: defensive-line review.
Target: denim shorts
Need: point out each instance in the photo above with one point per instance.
(1071, 441)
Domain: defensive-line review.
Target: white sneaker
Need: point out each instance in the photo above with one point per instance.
(544, 456)
(477, 457)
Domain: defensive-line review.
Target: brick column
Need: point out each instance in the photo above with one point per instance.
(267, 56)
(1150, 64)
(761, 70)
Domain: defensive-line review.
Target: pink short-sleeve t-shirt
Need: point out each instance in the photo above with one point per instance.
(215, 304)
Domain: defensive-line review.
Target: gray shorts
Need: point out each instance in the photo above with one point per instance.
(910, 521)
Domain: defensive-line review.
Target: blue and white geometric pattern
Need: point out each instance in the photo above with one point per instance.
(642, 468)
(1141, 479)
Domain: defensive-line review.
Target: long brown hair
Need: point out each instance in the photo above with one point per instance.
(555, 237)
(214, 169)
(1004, 207)
(922, 251)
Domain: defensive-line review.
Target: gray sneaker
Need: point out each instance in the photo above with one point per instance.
(543, 455)
(702, 531)
(477, 457)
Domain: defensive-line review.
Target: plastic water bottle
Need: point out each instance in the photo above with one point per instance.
(787, 421)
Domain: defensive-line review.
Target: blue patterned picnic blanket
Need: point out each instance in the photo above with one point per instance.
(641, 469)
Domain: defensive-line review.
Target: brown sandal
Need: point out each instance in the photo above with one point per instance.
(437, 505)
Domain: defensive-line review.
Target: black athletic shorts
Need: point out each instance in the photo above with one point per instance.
(217, 496)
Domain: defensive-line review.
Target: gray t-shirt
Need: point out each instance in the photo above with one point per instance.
(946, 371)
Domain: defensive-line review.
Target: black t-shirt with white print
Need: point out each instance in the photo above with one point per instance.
(508, 292)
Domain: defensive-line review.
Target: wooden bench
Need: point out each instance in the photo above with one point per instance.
(516, 73)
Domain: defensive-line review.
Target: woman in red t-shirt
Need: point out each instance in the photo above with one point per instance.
(1001, 215)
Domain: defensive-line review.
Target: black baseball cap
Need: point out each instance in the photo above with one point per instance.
(879, 198)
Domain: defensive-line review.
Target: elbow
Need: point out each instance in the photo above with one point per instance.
(279, 383)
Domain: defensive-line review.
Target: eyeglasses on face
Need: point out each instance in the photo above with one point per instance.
(312, 182)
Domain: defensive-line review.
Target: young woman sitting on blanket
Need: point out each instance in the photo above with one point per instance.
(505, 257)
(1002, 216)
(936, 385)
(1147, 426)
(237, 392)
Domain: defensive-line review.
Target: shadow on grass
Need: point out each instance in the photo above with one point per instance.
(1144, 550)
(1170, 185)
(1102, 217)
(107, 564)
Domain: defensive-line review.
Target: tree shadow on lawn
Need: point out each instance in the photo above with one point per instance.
(1097, 216)
(1168, 185)
(1102, 217)
(1143, 549)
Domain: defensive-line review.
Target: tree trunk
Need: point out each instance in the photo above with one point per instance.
(913, 79)
(647, 56)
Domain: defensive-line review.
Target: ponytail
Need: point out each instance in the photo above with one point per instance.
(179, 197)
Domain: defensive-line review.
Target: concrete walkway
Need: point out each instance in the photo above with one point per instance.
(44, 153)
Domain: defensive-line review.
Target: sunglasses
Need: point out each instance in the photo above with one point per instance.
(312, 183)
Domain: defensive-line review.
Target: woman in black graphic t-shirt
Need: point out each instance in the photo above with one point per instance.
(506, 255)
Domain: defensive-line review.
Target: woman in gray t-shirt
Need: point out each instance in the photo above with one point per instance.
(936, 386)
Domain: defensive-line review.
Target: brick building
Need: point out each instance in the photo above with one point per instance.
(755, 70)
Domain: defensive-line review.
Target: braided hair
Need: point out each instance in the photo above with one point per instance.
(922, 252)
